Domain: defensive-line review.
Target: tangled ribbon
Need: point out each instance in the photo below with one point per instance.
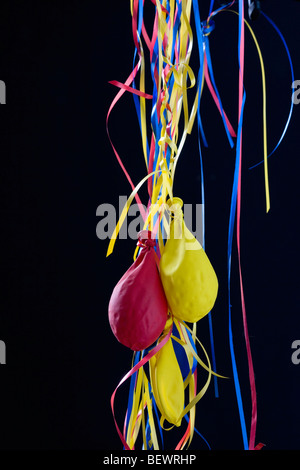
(172, 119)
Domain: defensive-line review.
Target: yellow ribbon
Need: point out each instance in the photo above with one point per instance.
(265, 150)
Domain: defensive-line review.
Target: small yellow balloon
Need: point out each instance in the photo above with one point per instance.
(167, 384)
(189, 280)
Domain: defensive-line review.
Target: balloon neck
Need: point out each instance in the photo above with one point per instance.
(145, 239)
(175, 207)
(168, 324)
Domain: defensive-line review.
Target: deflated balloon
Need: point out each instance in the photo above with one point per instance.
(138, 308)
(189, 280)
(167, 384)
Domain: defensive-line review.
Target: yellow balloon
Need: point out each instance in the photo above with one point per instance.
(189, 280)
(167, 384)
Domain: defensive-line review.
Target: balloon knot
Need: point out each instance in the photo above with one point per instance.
(145, 239)
(207, 27)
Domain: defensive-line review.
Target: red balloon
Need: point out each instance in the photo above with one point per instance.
(138, 307)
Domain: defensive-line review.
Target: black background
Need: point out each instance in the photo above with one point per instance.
(57, 166)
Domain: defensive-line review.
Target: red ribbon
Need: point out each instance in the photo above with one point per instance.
(130, 89)
(246, 334)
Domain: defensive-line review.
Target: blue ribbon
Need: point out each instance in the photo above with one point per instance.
(232, 216)
(293, 78)
(210, 68)
(200, 131)
(131, 391)
(211, 7)
(200, 74)
(199, 434)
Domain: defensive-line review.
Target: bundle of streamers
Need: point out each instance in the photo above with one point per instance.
(171, 285)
